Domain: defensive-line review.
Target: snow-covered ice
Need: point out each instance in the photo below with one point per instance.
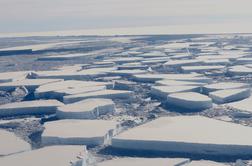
(179, 83)
(163, 91)
(189, 101)
(243, 105)
(229, 95)
(126, 73)
(73, 75)
(239, 70)
(29, 84)
(86, 109)
(204, 163)
(144, 162)
(52, 155)
(70, 87)
(34, 107)
(200, 69)
(79, 132)
(178, 63)
(223, 86)
(10, 144)
(13, 76)
(188, 134)
(109, 94)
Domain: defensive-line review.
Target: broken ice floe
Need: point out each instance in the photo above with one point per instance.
(35, 107)
(11, 144)
(59, 89)
(144, 162)
(164, 91)
(52, 155)
(189, 100)
(109, 94)
(201, 69)
(13, 76)
(86, 109)
(229, 95)
(79, 132)
(243, 105)
(223, 86)
(187, 134)
(29, 84)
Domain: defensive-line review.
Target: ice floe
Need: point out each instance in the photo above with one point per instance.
(79, 132)
(187, 134)
(223, 86)
(29, 84)
(163, 91)
(52, 155)
(200, 69)
(34, 107)
(10, 144)
(109, 94)
(144, 162)
(229, 95)
(86, 109)
(59, 89)
(243, 105)
(13, 76)
(189, 100)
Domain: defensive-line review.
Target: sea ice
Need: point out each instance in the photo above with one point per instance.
(10, 144)
(109, 94)
(86, 109)
(52, 155)
(79, 132)
(189, 101)
(229, 95)
(187, 134)
(34, 107)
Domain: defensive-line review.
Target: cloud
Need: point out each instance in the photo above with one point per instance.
(37, 15)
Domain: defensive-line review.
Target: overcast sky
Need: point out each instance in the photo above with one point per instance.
(52, 15)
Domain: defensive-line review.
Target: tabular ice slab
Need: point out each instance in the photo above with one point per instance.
(188, 134)
(244, 60)
(223, 86)
(201, 69)
(35, 107)
(144, 162)
(13, 76)
(30, 84)
(239, 70)
(216, 62)
(52, 155)
(124, 85)
(189, 100)
(63, 57)
(132, 66)
(126, 73)
(125, 60)
(178, 63)
(163, 91)
(108, 94)
(73, 75)
(78, 132)
(86, 109)
(229, 95)
(243, 105)
(193, 77)
(10, 144)
(205, 163)
(152, 54)
(59, 89)
(179, 83)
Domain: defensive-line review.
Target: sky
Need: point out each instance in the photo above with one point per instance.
(64, 15)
